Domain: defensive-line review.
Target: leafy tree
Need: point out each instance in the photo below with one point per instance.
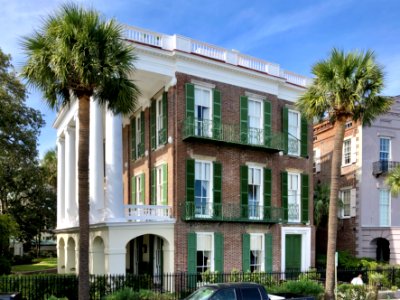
(49, 166)
(19, 128)
(8, 229)
(346, 86)
(393, 181)
(321, 203)
(78, 54)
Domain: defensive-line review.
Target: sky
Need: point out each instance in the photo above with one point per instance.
(292, 33)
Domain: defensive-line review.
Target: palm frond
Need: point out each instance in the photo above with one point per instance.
(393, 181)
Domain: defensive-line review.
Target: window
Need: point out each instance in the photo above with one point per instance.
(294, 197)
(202, 189)
(205, 253)
(255, 192)
(317, 161)
(293, 133)
(138, 135)
(160, 137)
(256, 133)
(384, 207)
(346, 152)
(159, 192)
(202, 111)
(345, 197)
(384, 149)
(139, 189)
(348, 124)
(256, 252)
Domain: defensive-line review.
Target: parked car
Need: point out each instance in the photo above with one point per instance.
(230, 291)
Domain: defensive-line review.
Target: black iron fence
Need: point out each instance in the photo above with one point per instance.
(176, 286)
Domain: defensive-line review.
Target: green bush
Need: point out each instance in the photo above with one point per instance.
(22, 260)
(5, 266)
(301, 287)
(355, 292)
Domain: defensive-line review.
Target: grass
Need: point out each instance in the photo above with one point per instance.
(38, 264)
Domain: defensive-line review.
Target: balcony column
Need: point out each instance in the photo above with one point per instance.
(60, 181)
(96, 162)
(114, 187)
(70, 176)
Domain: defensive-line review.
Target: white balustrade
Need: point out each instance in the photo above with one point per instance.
(142, 213)
(175, 42)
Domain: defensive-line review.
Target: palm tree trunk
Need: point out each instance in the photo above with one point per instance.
(333, 200)
(83, 196)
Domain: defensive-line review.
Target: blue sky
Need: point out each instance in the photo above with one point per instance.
(292, 33)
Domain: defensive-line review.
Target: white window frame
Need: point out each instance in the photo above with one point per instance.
(210, 263)
(342, 194)
(138, 133)
(389, 146)
(349, 153)
(317, 161)
(138, 187)
(159, 184)
(207, 211)
(294, 135)
(259, 212)
(206, 124)
(389, 205)
(296, 209)
(262, 254)
(256, 134)
(159, 119)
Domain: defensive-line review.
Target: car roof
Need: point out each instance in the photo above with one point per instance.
(233, 284)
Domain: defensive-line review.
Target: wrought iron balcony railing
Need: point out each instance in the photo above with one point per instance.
(228, 212)
(383, 167)
(232, 134)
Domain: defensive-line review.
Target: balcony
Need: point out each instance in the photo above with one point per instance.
(231, 134)
(228, 212)
(383, 167)
(148, 213)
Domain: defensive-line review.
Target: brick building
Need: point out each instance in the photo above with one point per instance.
(368, 214)
(212, 172)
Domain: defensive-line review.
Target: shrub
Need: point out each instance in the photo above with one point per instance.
(22, 260)
(5, 266)
(355, 292)
(301, 287)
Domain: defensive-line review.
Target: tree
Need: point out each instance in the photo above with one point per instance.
(346, 86)
(393, 181)
(321, 204)
(19, 128)
(78, 54)
(8, 230)
(49, 166)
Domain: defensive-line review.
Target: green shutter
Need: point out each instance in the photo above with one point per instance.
(304, 138)
(304, 197)
(219, 252)
(133, 189)
(143, 186)
(164, 131)
(153, 121)
(190, 187)
(133, 139)
(244, 186)
(189, 100)
(244, 119)
(217, 184)
(284, 191)
(285, 127)
(192, 253)
(165, 184)
(142, 133)
(268, 252)
(245, 252)
(216, 114)
(153, 186)
(267, 194)
(267, 123)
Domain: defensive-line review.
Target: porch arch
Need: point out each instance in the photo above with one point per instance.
(98, 257)
(70, 265)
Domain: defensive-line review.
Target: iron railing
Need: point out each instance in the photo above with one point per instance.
(232, 134)
(383, 167)
(229, 212)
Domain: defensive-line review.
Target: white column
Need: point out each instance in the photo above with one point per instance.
(114, 187)
(70, 176)
(60, 182)
(96, 162)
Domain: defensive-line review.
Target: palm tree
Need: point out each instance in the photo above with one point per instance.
(346, 87)
(77, 54)
(393, 181)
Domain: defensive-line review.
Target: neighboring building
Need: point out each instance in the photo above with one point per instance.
(369, 218)
(201, 176)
